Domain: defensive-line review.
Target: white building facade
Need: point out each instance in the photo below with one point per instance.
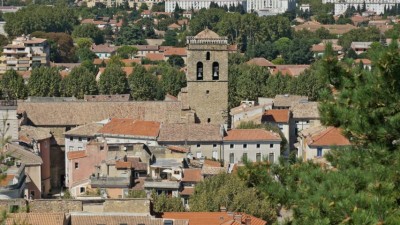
(270, 7)
(377, 6)
(199, 4)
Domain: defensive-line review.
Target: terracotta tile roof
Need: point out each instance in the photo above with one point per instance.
(331, 136)
(147, 47)
(178, 148)
(137, 163)
(98, 61)
(131, 127)
(7, 180)
(123, 165)
(36, 218)
(192, 175)
(24, 154)
(127, 71)
(175, 51)
(35, 41)
(115, 219)
(288, 100)
(25, 74)
(174, 26)
(155, 56)
(187, 191)
(304, 110)
(211, 163)
(177, 132)
(76, 155)
(81, 112)
(232, 48)
(364, 61)
(291, 70)
(183, 21)
(128, 62)
(212, 218)
(260, 62)
(207, 34)
(88, 130)
(28, 133)
(107, 48)
(146, 12)
(276, 116)
(321, 47)
(251, 135)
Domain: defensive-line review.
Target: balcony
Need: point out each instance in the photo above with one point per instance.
(110, 182)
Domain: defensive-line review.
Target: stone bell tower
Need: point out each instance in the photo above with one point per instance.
(207, 77)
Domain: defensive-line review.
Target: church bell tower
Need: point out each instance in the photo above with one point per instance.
(207, 77)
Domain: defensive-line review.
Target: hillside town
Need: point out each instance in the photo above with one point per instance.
(199, 112)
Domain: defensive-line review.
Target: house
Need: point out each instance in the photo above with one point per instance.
(144, 49)
(286, 101)
(304, 115)
(360, 47)
(176, 51)
(9, 121)
(203, 140)
(155, 57)
(146, 14)
(189, 180)
(121, 131)
(290, 70)
(214, 218)
(32, 168)
(366, 63)
(174, 26)
(39, 140)
(279, 118)
(26, 52)
(319, 49)
(121, 219)
(37, 218)
(103, 51)
(187, 14)
(315, 142)
(247, 111)
(251, 144)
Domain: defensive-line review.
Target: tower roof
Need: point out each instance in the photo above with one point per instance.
(207, 33)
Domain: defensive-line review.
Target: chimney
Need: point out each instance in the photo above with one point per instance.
(248, 221)
(238, 218)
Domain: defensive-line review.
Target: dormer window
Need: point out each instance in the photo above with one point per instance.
(215, 71)
(199, 71)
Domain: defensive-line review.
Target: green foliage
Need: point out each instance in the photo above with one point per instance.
(62, 48)
(85, 54)
(170, 38)
(12, 86)
(360, 34)
(172, 80)
(142, 84)
(126, 52)
(158, 7)
(230, 191)
(84, 42)
(176, 61)
(89, 31)
(136, 194)
(130, 35)
(79, 82)
(113, 81)
(44, 82)
(40, 18)
(163, 203)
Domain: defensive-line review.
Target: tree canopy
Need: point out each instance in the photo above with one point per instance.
(13, 86)
(79, 82)
(44, 82)
(113, 81)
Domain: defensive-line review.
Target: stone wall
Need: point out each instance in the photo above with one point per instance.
(55, 206)
(7, 204)
(138, 205)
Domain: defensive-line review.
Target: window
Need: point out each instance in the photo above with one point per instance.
(214, 145)
(80, 138)
(231, 146)
(215, 154)
(271, 145)
(207, 92)
(176, 172)
(319, 152)
(258, 145)
(32, 195)
(258, 157)
(231, 158)
(82, 189)
(208, 56)
(244, 157)
(198, 145)
(271, 158)
(80, 148)
(280, 126)
(71, 138)
(199, 71)
(101, 147)
(198, 155)
(208, 120)
(88, 139)
(244, 145)
(215, 71)
(76, 165)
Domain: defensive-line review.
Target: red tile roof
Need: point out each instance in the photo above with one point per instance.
(174, 26)
(76, 154)
(131, 127)
(155, 56)
(332, 136)
(123, 165)
(175, 51)
(364, 61)
(36, 218)
(192, 175)
(212, 218)
(276, 115)
(291, 70)
(187, 191)
(251, 135)
(260, 62)
(6, 181)
(178, 148)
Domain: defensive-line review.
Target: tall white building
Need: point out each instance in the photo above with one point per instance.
(199, 4)
(377, 6)
(270, 7)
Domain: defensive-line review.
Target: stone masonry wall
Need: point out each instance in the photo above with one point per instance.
(139, 205)
(55, 206)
